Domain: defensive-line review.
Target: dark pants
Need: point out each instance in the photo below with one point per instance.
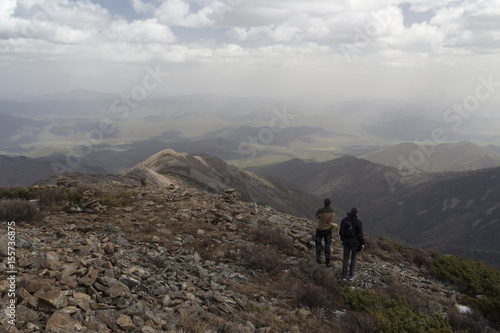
(350, 250)
(327, 235)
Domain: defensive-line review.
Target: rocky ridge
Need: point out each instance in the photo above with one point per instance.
(176, 259)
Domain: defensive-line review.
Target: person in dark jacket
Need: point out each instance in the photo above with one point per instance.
(351, 244)
(325, 217)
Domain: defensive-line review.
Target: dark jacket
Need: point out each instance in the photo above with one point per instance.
(358, 238)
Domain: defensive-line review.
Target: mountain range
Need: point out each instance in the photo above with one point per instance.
(250, 131)
(438, 211)
(286, 153)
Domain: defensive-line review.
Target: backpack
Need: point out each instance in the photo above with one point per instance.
(347, 229)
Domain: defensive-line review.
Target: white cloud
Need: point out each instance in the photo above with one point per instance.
(7, 8)
(142, 7)
(254, 38)
(178, 13)
(139, 32)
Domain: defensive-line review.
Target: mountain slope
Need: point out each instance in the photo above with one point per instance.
(346, 180)
(177, 259)
(213, 174)
(443, 157)
(452, 212)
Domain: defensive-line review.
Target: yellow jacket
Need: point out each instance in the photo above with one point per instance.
(325, 217)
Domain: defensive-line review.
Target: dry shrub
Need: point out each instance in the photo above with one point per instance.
(420, 257)
(276, 237)
(318, 288)
(310, 271)
(51, 196)
(82, 188)
(262, 257)
(465, 322)
(191, 321)
(423, 302)
(385, 244)
(356, 321)
(19, 211)
(316, 297)
(209, 248)
(149, 227)
(387, 250)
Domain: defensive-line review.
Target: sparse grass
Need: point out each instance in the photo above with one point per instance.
(252, 308)
(117, 199)
(191, 322)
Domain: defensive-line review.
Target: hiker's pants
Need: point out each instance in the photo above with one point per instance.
(327, 236)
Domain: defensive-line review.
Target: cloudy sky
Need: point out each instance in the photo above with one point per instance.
(387, 48)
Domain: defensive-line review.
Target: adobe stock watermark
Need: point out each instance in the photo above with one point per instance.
(122, 107)
(266, 135)
(10, 310)
(363, 36)
(454, 116)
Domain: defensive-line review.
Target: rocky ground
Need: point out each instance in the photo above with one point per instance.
(176, 259)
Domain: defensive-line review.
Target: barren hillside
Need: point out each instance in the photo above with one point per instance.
(132, 257)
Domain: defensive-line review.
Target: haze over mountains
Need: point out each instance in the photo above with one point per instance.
(92, 126)
(380, 155)
(459, 156)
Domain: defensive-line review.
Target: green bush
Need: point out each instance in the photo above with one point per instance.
(74, 197)
(480, 282)
(394, 315)
(46, 196)
(117, 199)
(16, 192)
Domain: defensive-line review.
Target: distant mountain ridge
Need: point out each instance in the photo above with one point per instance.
(459, 156)
(346, 180)
(26, 171)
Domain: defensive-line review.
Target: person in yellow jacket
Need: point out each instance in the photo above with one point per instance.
(324, 228)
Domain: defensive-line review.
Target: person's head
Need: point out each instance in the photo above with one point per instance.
(354, 211)
(327, 202)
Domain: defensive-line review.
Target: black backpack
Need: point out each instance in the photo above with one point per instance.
(347, 229)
